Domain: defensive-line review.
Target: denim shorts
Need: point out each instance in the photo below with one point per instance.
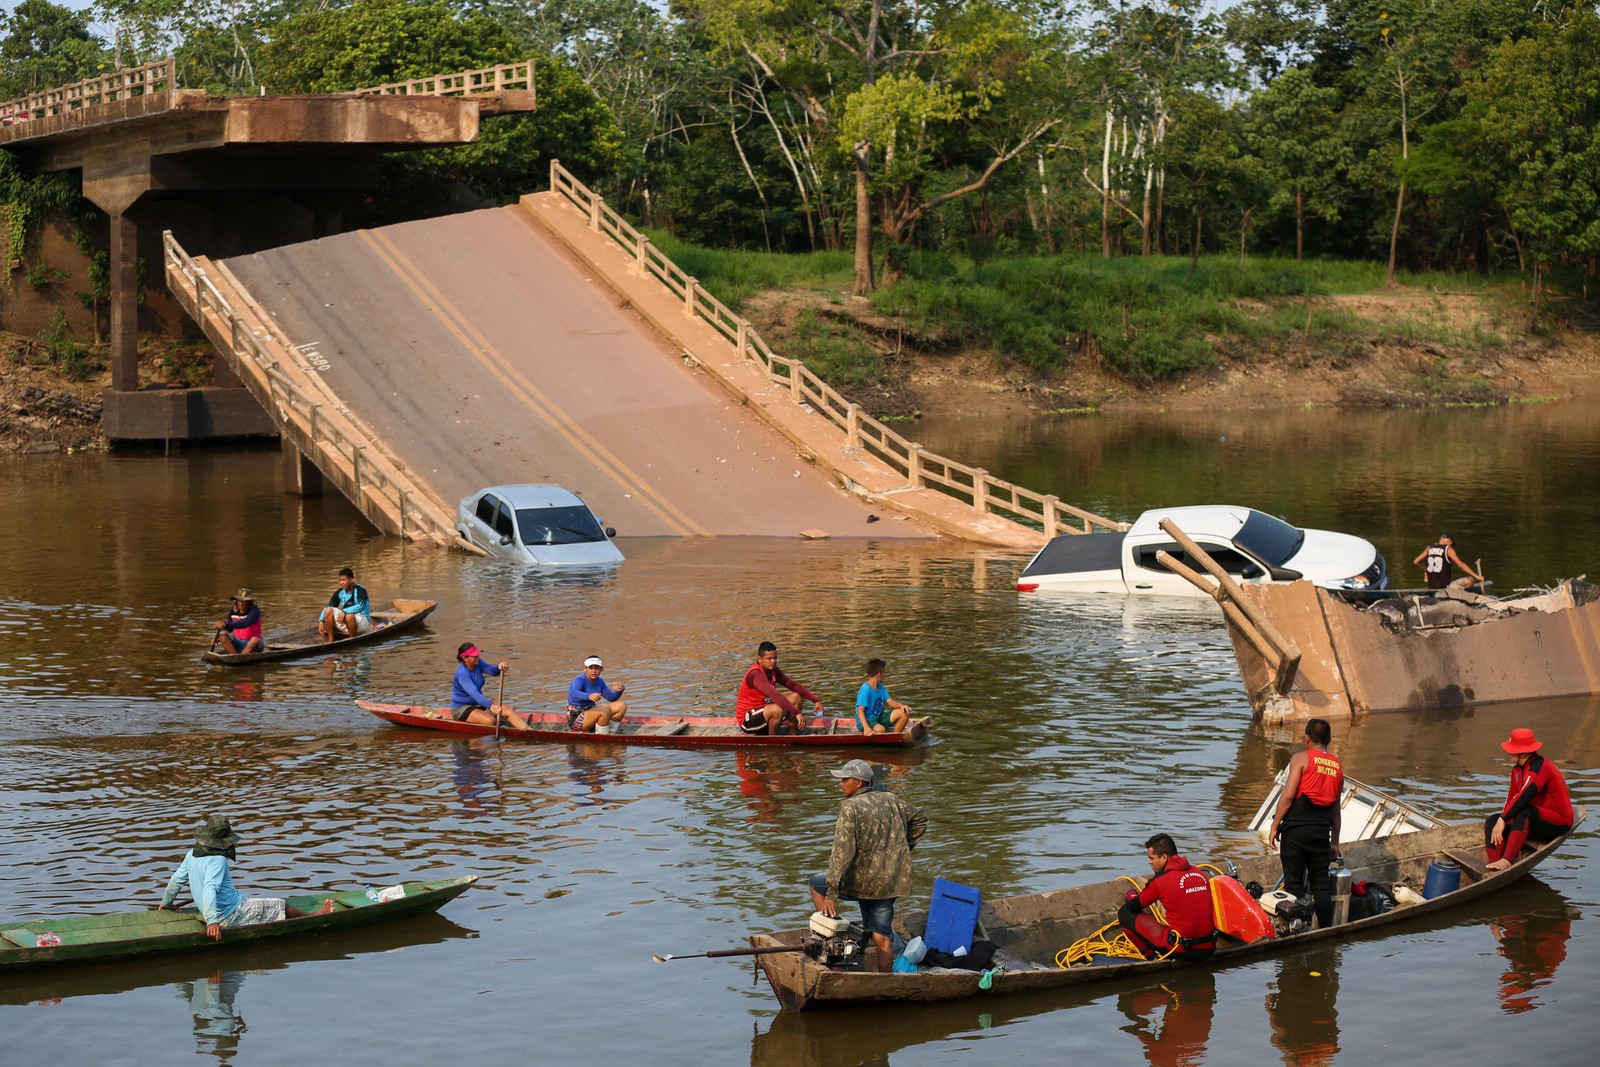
(877, 916)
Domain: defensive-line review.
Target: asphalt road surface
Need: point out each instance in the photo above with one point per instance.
(484, 354)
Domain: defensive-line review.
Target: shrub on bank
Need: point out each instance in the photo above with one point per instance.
(1149, 319)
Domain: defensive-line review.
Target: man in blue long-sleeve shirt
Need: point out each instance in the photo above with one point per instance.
(205, 871)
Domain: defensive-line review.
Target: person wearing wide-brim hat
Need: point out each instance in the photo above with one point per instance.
(205, 871)
(1537, 805)
(241, 630)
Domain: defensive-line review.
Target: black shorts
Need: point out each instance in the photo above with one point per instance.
(753, 722)
(464, 712)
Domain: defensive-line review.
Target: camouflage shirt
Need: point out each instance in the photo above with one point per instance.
(872, 843)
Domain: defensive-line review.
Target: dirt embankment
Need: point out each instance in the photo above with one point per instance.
(1421, 349)
(48, 407)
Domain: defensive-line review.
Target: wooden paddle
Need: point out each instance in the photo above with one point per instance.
(500, 706)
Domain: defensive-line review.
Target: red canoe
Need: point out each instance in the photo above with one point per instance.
(679, 731)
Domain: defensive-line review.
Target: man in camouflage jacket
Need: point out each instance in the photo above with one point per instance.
(871, 861)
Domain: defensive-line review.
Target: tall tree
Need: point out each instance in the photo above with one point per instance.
(1292, 128)
(46, 45)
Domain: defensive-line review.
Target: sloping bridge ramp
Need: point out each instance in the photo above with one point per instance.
(417, 363)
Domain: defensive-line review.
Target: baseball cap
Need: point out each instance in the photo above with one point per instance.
(856, 768)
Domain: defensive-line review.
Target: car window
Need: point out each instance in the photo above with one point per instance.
(486, 507)
(502, 520)
(558, 526)
(1272, 539)
(1231, 560)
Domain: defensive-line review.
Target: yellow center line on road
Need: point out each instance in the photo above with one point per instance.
(516, 383)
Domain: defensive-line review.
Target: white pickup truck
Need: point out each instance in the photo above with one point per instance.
(1250, 545)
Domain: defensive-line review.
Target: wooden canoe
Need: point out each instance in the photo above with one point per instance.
(88, 938)
(674, 731)
(398, 617)
(1032, 929)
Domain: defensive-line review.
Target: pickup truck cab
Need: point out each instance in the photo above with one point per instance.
(1252, 546)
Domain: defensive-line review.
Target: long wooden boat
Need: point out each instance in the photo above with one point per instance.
(673, 731)
(1032, 929)
(88, 938)
(398, 617)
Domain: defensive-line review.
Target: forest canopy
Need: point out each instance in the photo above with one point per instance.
(1450, 135)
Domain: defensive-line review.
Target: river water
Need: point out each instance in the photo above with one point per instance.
(1068, 731)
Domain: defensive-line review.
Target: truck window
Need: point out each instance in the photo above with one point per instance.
(1231, 560)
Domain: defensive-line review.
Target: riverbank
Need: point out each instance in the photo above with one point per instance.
(48, 407)
(1410, 348)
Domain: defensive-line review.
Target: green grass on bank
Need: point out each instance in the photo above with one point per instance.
(1149, 319)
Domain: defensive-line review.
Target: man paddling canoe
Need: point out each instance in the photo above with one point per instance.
(205, 871)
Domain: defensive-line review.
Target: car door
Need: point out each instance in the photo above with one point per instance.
(480, 525)
(1150, 577)
(505, 530)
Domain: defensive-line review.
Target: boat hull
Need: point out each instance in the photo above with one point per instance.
(1030, 929)
(668, 731)
(402, 615)
(91, 938)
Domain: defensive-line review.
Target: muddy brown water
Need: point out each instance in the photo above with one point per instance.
(1069, 729)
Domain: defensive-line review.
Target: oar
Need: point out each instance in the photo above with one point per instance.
(730, 952)
(500, 706)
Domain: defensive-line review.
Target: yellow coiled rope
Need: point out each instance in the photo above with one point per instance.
(1096, 945)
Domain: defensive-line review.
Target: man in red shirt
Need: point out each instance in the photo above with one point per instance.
(1537, 804)
(1306, 829)
(1190, 930)
(761, 708)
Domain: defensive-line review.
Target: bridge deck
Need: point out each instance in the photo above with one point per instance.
(480, 352)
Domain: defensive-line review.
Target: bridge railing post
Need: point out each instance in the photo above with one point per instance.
(595, 207)
(980, 491)
(688, 297)
(852, 426)
(1052, 516)
(796, 385)
(914, 466)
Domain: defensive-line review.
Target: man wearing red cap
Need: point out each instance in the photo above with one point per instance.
(1537, 804)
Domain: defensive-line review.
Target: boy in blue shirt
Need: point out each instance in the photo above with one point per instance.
(876, 711)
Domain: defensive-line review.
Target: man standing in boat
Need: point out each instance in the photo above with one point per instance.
(1306, 828)
(205, 871)
(761, 708)
(1436, 560)
(349, 610)
(1190, 932)
(871, 859)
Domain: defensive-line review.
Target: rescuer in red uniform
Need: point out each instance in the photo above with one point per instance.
(1190, 930)
(1537, 804)
(1308, 819)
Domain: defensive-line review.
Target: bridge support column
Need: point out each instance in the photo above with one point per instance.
(300, 476)
(124, 256)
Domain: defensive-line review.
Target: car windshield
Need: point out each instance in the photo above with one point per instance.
(1269, 539)
(558, 526)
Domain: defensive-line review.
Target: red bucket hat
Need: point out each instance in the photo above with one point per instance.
(1522, 740)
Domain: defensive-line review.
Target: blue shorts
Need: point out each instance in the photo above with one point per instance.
(877, 916)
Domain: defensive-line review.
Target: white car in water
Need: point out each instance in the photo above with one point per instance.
(1252, 546)
(540, 524)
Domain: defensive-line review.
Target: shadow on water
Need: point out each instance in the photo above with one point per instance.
(1172, 1020)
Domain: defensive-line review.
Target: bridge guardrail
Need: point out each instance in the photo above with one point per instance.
(118, 85)
(922, 469)
(389, 499)
(506, 76)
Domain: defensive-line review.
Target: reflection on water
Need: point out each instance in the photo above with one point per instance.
(1172, 1021)
(217, 1024)
(1066, 730)
(1303, 1009)
(1534, 946)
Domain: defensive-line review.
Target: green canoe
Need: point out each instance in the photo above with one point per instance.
(87, 938)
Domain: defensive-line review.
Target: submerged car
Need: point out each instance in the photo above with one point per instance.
(1252, 546)
(542, 524)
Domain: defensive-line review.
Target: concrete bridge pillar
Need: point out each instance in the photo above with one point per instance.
(124, 256)
(300, 475)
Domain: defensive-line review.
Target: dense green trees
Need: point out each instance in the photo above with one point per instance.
(1454, 134)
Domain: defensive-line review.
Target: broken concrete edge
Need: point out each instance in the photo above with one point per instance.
(1004, 533)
